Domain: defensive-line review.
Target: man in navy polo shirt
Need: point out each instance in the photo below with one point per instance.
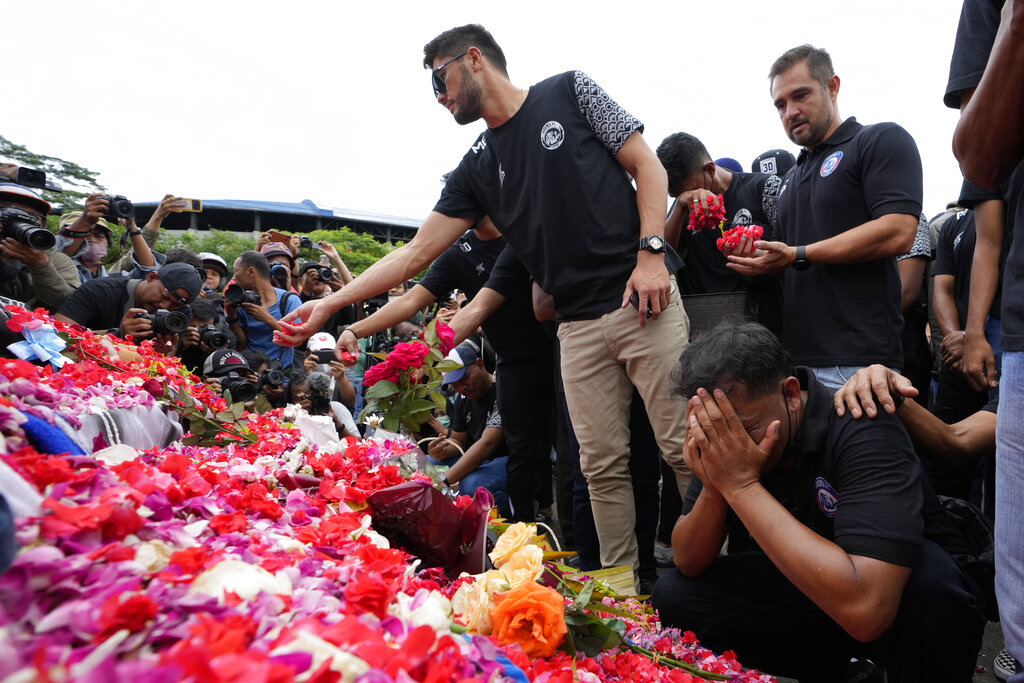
(846, 211)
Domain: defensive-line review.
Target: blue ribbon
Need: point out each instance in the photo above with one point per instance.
(40, 344)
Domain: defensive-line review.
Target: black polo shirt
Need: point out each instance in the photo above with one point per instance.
(847, 314)
(549, 181)
(857, 483)
(99, 304)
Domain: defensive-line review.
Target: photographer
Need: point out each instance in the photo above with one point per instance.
(273, 384)
(228, 373)
(151, 232)
(216, 273)
(203, 335)
(254, 305)
(282, 264)
(311, 391)
(86, 236)
(139, 308)
(37, 276)
(321, 358)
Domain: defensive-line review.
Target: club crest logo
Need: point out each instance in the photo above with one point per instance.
(552, 135)
(828, 499)
(830, 164)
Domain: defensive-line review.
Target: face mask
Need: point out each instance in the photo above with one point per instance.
(96, 251)
(393, 298)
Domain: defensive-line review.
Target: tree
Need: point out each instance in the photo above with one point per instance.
(77, 181)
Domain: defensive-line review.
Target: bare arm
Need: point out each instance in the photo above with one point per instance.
(911, 275)
(989, 138)
(697, 537)
(979, 362)
(944, 305)
(394, 312)
(472, 315)
(887, 236)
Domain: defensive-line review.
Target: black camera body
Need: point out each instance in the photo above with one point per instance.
(279, 272)
(305, 242)
(26, 228)
(272, 378)
(324, 273)
(240, 388)
(212, 337)
(32, 177)
(234, 294)
(167, 322)
(120, 207)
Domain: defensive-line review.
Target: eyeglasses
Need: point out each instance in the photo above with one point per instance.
(174, 298)
(440, 87)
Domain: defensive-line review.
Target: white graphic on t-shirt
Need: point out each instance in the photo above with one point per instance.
(611, 124)
(742, 217)
(552, 135)
(501, 177)
(480, 268)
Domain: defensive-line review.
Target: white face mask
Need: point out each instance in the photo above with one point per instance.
(96, 251)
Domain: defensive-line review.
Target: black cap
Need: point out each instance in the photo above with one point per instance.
(183, 276)
(223, 361)
(774, 161)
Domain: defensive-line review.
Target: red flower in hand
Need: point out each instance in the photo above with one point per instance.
(731, 238)
(710, 217)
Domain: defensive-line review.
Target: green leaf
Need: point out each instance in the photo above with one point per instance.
(192, 440)
(584, 597)
(237, 409)
(382, 389)
(578, 619)
(438, 399)
(419, 405)
(390, 423)
(226, 415)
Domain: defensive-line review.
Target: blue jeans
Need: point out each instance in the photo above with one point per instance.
(491, 474)
(835, 376)
(1010, 505)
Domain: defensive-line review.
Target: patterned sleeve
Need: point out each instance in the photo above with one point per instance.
(770, 201)
(922, 247)
(493, 418)
(610, 122)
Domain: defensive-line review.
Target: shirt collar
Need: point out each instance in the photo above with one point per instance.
(818, 412)
(844, 133)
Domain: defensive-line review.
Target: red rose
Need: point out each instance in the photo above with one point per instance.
(408, 355)
(380, 371)
(445, 338)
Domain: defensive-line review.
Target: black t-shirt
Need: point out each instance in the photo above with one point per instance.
(751, 199)
(98, 304)
(954, 256)
(857, 483)
(474, 415)
(549, 181)
(469, 265)
(847, 314)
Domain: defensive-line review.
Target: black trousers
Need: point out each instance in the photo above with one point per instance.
(526, 398)
(743, 603)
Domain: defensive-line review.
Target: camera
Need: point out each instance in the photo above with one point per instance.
(306, 243)
(320, 387)
(31, 177)
(324, 273)
(234, 294)
(26, 228)
(167, 322)
(280, 273)
(120, 207)
(240, 388)
(212, 337)
(271, 378)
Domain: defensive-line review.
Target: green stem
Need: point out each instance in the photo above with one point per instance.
(675, 663)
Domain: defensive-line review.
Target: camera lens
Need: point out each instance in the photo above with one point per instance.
(212, 337)
(272, 378)
(40, 239)
(234, 294)
(240, 388)
(169, 322)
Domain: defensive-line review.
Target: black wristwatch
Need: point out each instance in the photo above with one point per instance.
(653, 243)
(133, 233)
(801, 262)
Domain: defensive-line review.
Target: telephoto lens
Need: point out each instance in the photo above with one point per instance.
(240, 388)
(234, 294)
(212, 337)
(24, 227)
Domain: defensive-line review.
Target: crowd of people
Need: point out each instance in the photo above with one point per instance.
(824, 468)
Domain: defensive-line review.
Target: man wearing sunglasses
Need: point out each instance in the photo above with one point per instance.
(553, 171)
(112, 304)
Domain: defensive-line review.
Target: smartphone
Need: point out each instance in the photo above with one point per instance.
(634, 299)
(278, 236)
(190, 205)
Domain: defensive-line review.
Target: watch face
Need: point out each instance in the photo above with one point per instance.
(655, 241)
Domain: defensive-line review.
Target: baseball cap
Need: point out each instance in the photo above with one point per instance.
(210, 259)
(19, 193)
(223, 361)
(321, 341)
(276, 249)
(729, 163)
(466, 356)
(183, 276)
(309, 264)
(774, 161)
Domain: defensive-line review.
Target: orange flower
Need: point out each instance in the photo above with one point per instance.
(531, 616)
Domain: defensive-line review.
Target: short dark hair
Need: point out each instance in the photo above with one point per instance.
(682, 155)
(461, 38)
(731, 354)
(819, 63)
(254, 259)
(255, 358)
(183, 255)
(203, 309)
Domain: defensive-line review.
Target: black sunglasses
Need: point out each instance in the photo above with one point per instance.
(440, 87)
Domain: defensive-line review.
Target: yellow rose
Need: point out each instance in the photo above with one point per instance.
(514, 538)
(526, 564)
(474, 600)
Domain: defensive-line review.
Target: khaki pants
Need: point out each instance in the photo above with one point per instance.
(602, 360)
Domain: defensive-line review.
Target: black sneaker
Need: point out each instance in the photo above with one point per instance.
(862, 671)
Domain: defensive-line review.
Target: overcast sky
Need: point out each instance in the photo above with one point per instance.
(284, 101)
